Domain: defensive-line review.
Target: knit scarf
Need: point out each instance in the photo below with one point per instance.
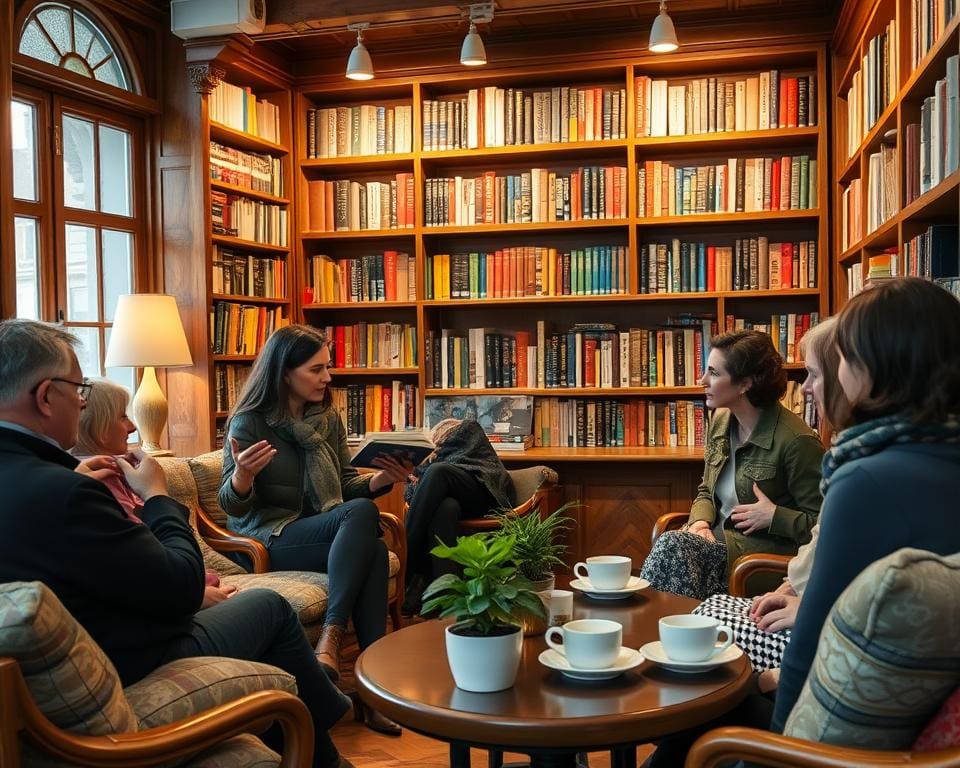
(312, 433)
(875, 435)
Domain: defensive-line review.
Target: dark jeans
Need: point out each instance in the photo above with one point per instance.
(260, 625)
(445, 494)
(345, 543)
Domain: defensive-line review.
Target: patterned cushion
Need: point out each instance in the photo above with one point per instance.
(206, 470)
(183, 488)
(243, 751)
(69, 678)
(189, 686)
(943, 731)
(889, 654)
(306, 591)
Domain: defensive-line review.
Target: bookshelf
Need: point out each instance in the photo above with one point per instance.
(468, 204)
(926, 40)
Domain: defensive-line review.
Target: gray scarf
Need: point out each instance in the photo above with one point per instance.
(313, 433)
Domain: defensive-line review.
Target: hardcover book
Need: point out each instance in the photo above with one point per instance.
(413, 446)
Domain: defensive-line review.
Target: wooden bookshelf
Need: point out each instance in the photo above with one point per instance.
(632, 308)
(859, 22)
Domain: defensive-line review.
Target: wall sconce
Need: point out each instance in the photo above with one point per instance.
(663, 37)
(472, 52)
(359, 65)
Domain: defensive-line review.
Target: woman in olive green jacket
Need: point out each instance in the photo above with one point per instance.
(760, 489)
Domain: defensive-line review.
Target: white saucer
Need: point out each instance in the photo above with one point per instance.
(628, 659)
(634, 585)
(654, 652)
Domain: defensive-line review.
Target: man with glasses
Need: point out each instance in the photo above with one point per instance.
(136, 588)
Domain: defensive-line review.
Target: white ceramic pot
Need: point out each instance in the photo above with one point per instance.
(484, 664)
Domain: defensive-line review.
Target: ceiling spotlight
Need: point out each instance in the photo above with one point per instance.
(663, 37)
(359, 65)
(472, 52)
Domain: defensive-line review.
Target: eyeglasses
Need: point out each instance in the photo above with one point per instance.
(83, 387)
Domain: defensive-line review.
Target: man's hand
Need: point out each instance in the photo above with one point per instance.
(748, 518)
(214, 595)
(248, 463)
(143, 473)
(99, 467)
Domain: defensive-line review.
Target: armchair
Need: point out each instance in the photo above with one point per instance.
(61, 702)
(534, 488)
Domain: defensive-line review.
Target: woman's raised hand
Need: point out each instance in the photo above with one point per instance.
(392, 470)
(248, 463)
(749, 518)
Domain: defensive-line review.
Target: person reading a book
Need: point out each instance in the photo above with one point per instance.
(102, 437)
(463, 478)
(760, 489)
(287, 481)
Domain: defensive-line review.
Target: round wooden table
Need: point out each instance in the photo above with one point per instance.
(546, 715)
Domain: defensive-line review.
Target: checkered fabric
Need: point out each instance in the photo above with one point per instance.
(765, 649)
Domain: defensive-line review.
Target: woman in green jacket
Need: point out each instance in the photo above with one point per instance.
(287, 481)
(760, 489)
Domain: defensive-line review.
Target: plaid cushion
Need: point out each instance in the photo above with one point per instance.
(70, 679)
(887, 657)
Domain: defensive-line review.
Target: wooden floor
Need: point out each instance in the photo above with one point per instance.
(368, 749)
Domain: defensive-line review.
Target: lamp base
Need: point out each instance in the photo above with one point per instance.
(150, 411)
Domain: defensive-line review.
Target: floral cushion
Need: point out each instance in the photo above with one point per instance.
(187, 687)
(887, 656)
(206, 469)
(70, 679)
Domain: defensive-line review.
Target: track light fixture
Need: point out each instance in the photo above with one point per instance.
(472, 52)
(359, 65)
(663, 37)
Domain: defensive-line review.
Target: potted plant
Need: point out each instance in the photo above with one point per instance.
(537, 550)
(488, 602)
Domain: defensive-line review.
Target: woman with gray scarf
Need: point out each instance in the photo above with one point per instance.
(287, 481)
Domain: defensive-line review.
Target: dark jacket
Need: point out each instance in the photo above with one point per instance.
(132, 587)
(783, 457)
(278, 496)
(903, 496)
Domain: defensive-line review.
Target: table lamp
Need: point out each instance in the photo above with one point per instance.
(147, 333)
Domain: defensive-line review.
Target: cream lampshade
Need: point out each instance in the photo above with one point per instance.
(147, 333)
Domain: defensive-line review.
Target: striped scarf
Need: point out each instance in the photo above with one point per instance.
(875, 435)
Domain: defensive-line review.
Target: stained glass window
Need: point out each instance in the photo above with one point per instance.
(66, 37)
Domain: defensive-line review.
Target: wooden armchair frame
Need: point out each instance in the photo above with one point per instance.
(255, 711)
(541, 499)
(771, 749)
(221, 539)
(745, 566)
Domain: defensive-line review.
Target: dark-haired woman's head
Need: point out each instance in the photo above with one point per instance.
(900, 351)
(292, 368)
(743, 363)
(822, 361)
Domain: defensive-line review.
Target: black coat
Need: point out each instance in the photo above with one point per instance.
(133, 587)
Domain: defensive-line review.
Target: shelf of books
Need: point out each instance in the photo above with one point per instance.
(562, 244)
(897, 131)
(249, 242)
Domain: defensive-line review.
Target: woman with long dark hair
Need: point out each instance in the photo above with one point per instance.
(287, 481)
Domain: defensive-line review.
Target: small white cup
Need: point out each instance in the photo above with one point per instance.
(559, 607)
(605, 571)
(588, 643)
(687, 637)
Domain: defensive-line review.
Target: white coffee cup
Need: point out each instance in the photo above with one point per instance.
(588, 643)
(559, 607)
(605, 571)
(687, 637)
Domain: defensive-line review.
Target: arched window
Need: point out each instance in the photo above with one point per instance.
(67, 38)
(78, 184)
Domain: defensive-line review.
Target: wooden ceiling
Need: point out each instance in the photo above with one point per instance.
(317, 28)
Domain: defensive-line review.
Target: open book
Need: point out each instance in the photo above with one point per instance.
(414, 446)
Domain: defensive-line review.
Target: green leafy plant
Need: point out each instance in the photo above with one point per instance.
(536, 549)
(491, 596)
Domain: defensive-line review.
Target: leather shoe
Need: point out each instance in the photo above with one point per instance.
(374, 720)
(328, 650)
(413, 595)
